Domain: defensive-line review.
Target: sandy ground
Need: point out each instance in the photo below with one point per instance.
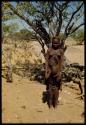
(75, 54)
(22, 99)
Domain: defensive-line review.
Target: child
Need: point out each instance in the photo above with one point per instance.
(57, 47)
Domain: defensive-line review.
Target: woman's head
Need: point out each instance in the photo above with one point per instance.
(56, 42)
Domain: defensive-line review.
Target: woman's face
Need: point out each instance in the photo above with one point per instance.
(55, 43)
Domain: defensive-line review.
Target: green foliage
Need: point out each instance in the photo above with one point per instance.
(26, 7)
(7, 14)
(24, 34)
(79, 36)
(5, 6)
(9, 29)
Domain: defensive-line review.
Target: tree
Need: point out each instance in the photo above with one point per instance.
(9, 29)
(24, 34)
(79, 36)
(47, 18)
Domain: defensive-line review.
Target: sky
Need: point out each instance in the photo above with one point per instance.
(22, 24)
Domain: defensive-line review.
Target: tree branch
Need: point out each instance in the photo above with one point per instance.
(41, 43)
(65, 5)
(77, 28)
(73, 16)
(69, 29)
(58, 8)
(60, 23)
(42, 32)
(19, 15)
(38, 29)
(70, 33)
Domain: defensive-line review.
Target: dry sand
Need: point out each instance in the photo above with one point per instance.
(22, 99)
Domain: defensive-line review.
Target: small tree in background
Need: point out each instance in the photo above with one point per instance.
(79, 36)
(9, 29)
(25, 34)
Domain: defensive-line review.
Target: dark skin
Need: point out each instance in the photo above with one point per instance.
(56, 44)
(58, 51)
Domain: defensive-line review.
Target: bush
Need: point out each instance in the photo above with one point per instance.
(79, 36)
